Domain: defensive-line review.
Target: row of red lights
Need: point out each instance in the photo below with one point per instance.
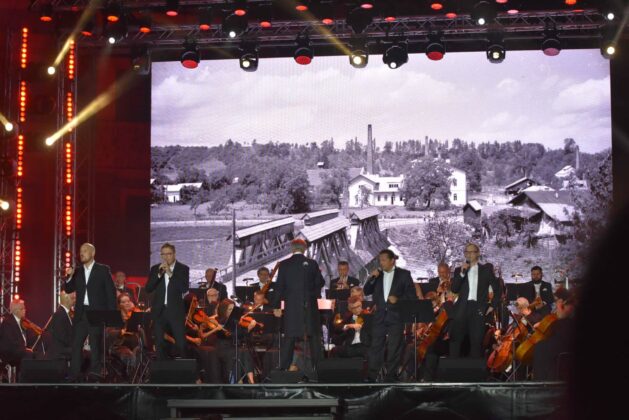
(22, 101)
(69, 154)
(71, 60)
(24, 49)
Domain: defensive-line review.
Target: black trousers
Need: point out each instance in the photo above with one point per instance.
(390, 334)
(83, 329)
(175, 326)
(353, 350)
(469, 321)
(288, 350)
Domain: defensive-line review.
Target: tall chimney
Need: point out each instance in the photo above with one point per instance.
(370, 150)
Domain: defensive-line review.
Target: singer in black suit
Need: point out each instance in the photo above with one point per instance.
(169, 282)
(299, 283)
(538, 288)
(471, 281)
(60, 328)
(388, 285)
(95, 291)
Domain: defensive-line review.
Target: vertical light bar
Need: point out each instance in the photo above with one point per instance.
(24, 49)
(22, 101)
(69, 151)
(71, 61)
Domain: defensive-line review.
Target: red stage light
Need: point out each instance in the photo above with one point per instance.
(451, 15)
(366, 5)
(389, 18)
(303, 60)
(145, 29)
(190, 64)
(502, 1)
(24, 49)
(436, 5)
(513, 11)
(571, 2)
(435, 55)
(204, 27)
(265, 24)
(327, 21)
(301, 7)
(240, 12)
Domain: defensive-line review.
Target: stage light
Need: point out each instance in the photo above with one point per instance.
(265, 14)
(551, 46)
(234, 25)
(301, 6)
(367, 4)
(325, 13)
(610, 11)
(435, 50)
(190, 57)
(496, 52)
(88, 29)
(46, 13)
(172, 8)
(249, 58)
(451, 15)
(359, 19)
(609, 40)
(240, 8)
(113, 12)
(571, 2)
(502, 1)
(145, 25)
(483, 13)
(608, 50)
(205, 19)
(116, 32)
(111, 40)
(303, 53)
(359, 54)
(4, 205)
(51, 70)
(436, 5)
(8, 127)
(396, 55)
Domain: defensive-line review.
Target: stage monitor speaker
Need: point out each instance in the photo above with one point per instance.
(336, 371)
(285, 377)
(179, 371)
(462, 370)
(43, 371)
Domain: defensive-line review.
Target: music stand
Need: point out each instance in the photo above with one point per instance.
(245, 293)
(106, 318)
(135, 325)
(513, 291)
(338, 294)
(235, 316)
(416, 311)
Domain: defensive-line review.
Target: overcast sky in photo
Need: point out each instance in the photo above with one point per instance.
(528, 97)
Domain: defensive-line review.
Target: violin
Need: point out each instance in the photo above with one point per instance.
(30, 325)
(245, 322)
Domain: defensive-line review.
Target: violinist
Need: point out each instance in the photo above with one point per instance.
(353, 331)
(344, 280)
(530, 317)
(124, 345)
(260, 302)
(199, 333)
(17, 335)
(60, 328)
(212, 302)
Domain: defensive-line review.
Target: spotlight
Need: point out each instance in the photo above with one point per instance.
(483, 13)
(608, 41)
(205, 19)
(8, 127)
(190, 57)
(359, 19)
(367, 4)
(111, 40)
(303, 52)
(551, 46)
(4, 205)
(172, 8)
(610, 11)
(496, 52)
(234, 25)
(608, 50)
(265, 14)
(249, 58)
(435, 50)
(240, 8)
(436, 5)
(145, 25)
(113, 12)
(88, 29)
(116, 32)
(301, 6)
(51, 70)
(396, 55)
(359, 55)
(46, 13)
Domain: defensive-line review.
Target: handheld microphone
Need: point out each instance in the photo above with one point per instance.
(464, 270)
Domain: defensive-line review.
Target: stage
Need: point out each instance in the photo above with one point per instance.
(520, 400)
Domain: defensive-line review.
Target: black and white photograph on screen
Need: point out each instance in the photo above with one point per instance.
(420, 160)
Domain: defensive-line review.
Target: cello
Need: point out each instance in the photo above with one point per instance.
(524, 352)
(502, 356)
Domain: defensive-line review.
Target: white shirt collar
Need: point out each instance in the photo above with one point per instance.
(90, 266)
(17, 319)
(172, 267)
(389, 272)
(66, 309)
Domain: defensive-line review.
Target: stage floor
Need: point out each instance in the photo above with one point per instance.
(520, 400)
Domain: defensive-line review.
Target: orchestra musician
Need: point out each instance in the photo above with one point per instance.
(120, 281)
(169, 282)
(471, 281)
(124, 345)
(299, 283)
(388, 285)
(357, 291)
(264, 277)
(94, 291)
(212, 301)
(60, 328)
(16, 335)
(353, 331)
(210, 277)
(344, 280)
(539, 293)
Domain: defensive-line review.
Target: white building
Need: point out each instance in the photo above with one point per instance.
(376, 190)
(173, 192)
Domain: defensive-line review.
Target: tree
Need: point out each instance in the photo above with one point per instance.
(202, 196)
(388, 147)
(334, 185)
(443, 239)
(363, 195)
(500, 226)
(425, 183)
(187, 193)
(288, 191)
(190, 174)
(471, 164)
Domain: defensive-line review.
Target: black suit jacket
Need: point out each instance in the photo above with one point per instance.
(345, 337)
(100, 289)
(486, 278)
(60, 330)
(431, 286)
(527, 290)
(178, 286)
(269, 293)
(299, 283)
(352, 281)
(402, 287)
(11, 340)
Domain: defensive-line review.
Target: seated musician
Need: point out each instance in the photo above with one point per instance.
(357, 291)
(442, 300)
(354, 331)
(210, 277)
(16, 338)
(60, 328)
(260, 302)
(225, 344)
(344, 280)
(264, 277)
(124, 345)
(547, 352)
(539, 293)
(530, 317)
(120, 281)
(212, 301)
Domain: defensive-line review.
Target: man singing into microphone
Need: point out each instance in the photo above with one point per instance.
(388, 285)
(170, 281)
(472, 281)
(94, 291)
